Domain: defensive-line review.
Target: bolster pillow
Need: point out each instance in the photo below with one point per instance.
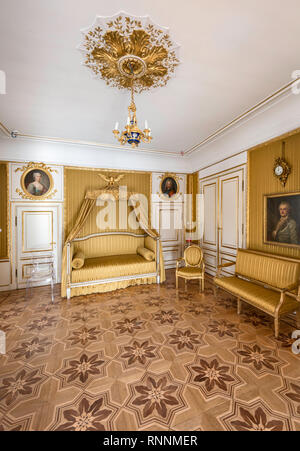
(146, 253)
(78, 260)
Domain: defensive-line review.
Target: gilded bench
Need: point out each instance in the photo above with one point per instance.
(269, 283)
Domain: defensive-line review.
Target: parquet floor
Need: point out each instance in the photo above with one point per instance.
(144, 359)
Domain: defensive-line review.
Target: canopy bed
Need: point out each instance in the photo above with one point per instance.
(116, 259)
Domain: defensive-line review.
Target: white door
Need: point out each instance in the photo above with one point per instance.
(168, 219)
(37, 237)
(231, 217)
(224, 218)
(209, 241)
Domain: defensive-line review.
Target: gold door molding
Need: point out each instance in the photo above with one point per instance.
(205, 186)
(219, 249)
(222, 182)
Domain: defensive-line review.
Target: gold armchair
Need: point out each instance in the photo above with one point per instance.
(194, 266)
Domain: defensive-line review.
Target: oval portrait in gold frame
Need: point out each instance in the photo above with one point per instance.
(37, 183)
(169, 187)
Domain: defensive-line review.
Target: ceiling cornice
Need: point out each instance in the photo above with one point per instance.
(5, 130)
(242, 116)
(187, 153)
(16, 134)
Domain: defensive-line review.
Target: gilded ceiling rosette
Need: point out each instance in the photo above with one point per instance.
(122, 48)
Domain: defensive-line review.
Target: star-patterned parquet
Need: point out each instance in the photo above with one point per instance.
(144, 358)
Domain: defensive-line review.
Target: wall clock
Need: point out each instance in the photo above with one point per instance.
(282, 170)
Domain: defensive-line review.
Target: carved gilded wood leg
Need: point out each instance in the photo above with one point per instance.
(239, 306)
(276, 326)
(176, 282)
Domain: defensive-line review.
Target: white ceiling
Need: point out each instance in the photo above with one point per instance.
(234, 53)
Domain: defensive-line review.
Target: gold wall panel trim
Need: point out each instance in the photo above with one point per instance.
(216, 212)
(236, 178)
(224, 172)
(209, 255)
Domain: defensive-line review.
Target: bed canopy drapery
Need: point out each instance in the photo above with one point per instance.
(87, 206)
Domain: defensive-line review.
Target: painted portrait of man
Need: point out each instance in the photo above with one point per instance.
(283, 219)
(169, 187)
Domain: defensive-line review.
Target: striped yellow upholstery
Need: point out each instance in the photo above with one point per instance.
(190, 271)
(112, 266)
(272, 283)
(193, 255)
(150, 243)
(270, 270)
(111, 245)
(258, 296)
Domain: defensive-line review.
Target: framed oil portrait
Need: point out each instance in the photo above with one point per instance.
(36, 182)
(282, 219)
(169, 186)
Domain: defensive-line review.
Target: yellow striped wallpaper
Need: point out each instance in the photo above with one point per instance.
(192, 188)
(261, 181)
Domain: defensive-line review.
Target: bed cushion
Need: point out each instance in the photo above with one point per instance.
(78, 260)
(146, 254)
(112, 266)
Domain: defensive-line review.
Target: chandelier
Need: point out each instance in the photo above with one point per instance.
(132, 134)
(130, 52)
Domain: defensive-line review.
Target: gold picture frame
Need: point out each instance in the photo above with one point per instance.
(36, 182)
(164, 193)
(282, 219)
